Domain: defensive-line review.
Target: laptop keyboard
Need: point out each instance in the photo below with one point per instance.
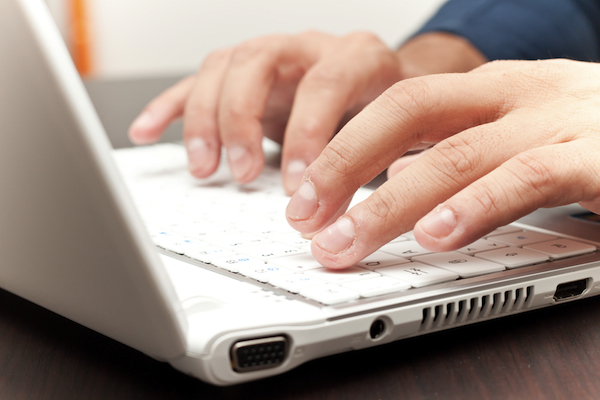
(242, 229)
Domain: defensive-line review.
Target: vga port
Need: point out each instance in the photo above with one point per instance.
(258, 354)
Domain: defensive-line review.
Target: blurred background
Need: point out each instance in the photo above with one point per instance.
(149, 38)
(128, 51)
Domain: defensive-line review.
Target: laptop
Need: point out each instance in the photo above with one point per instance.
(204, 274)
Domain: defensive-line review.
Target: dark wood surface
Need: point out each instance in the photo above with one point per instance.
(546, 354)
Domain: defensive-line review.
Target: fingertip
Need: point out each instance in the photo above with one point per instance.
(202, 159)
(143, 129)
(303, 204)
(332, 246)
(433, 230)
(245, 165)
(293, 176)
(240, 162)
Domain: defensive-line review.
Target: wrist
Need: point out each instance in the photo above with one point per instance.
(438, 52)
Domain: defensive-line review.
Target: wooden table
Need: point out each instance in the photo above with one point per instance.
(546, 354)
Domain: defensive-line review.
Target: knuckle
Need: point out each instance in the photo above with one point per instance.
(411, 91)
(489, 200)
(456, 157)
(312, 131)
(363, 38)
(493, 65)
(534, 174)
(377, 56)
(338, 159)
(257, 48)
(197, 124)
(534, 81)
(326, 77)
(234, 111)
(383, 206)
(408, 101)
(311, 34)
(216, 59)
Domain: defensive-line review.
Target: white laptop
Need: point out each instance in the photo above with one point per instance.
(205, 274)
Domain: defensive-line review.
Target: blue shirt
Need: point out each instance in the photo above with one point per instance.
(524, 29)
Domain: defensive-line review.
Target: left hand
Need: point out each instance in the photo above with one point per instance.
(511, 137)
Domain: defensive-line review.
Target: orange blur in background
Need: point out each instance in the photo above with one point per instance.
(80, 37)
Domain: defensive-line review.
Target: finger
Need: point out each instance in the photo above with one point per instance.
(200, 125)
(252, 72)
(402, 163)
(360, 63)
(160, 112)
(436, 176)
(413, 111)
(546, 176)
(340, 212)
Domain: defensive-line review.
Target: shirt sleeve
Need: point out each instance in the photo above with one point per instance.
(524, 29)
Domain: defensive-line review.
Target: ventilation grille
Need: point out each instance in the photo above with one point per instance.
(476, 308)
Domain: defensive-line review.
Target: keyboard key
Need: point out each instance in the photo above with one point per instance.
(176, 243)
(377, 286)
(407, 249)
(270, 251)
(159, 235)
(263, 273)
(562, 248)
(410, 235)
(503, 230)
(329, 294)
(418, 274)
(298, 263)
(522, 238)
(236, 262)
(230, 216)
(380, 259)
(209, 253)
(268, 228)
(237, 240)
(513, 257)
(292, 239)
(481, 245)
(341, 276)
(463, 265)
(201, 230)
(296, 282)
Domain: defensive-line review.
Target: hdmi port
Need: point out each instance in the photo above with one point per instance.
(569, 290)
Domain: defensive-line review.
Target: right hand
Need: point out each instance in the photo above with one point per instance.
(296, 90)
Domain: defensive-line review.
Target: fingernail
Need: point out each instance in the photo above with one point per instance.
(337, 237)
(294, 174)
(142, 123)
(240, 161)
(304, 202)
(198, 154)
(439, 223)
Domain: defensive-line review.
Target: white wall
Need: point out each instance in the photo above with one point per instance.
(165, 37)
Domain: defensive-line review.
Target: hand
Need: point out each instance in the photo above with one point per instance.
(297, 87)
(296, 90)
(511, 137)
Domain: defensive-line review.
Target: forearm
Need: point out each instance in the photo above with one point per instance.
(438, 52)
(526, 30)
